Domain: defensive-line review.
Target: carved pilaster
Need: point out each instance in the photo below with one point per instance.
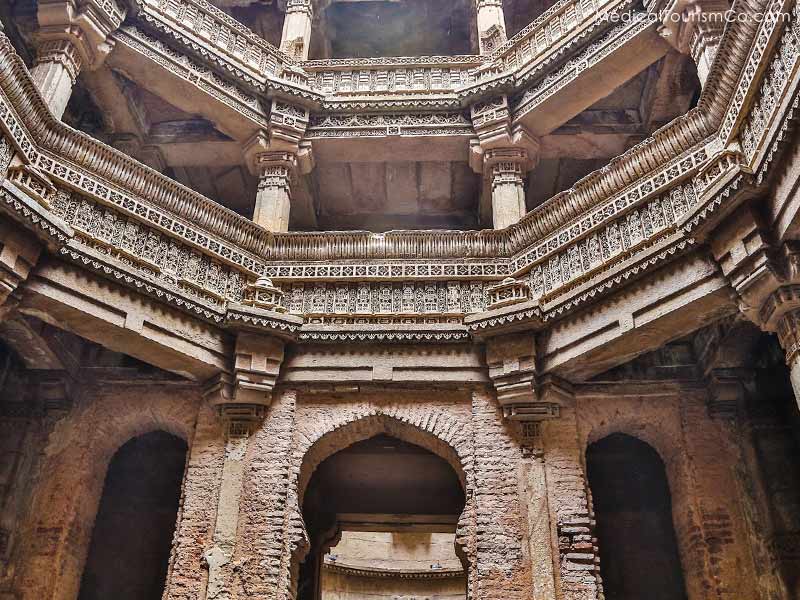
(296, 36)
(491, 25)
(569, 500)
(694, 27)
(69, 38)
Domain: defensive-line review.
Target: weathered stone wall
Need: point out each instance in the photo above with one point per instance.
(700, 461)
(55, 535)
(527, 527)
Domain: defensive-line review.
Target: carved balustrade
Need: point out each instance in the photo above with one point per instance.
(150, 233)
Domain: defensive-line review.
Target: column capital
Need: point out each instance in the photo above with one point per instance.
(62, 52)
(87, 26)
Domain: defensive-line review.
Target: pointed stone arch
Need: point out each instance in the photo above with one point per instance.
(426, 427)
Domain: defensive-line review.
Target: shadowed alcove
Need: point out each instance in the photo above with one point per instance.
(387, 510)
(638, 548)
(132, 534)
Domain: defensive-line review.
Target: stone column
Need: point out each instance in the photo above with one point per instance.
(71, 37)
(789, 336)
(491, 25)
(296, 37)
(274, 196)
(506, 167)
(503, 153)
(694, 27)
(56, 70)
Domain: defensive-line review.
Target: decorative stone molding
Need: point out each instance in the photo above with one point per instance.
(507, 292)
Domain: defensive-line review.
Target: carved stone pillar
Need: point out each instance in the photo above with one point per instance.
(491, 25)
(503, 153)
(278, 156)
(694, 27)
(69, 38)
(274, 196)
(506, 168)
(58, 63)
(296, 37)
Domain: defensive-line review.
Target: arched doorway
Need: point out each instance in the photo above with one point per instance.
(376, 512)
(132, 534)
(638, 548)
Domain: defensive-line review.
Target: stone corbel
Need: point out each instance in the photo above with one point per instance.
(523, 393)
(241, 398)
(727, 392)
(262, 328)
(754, 268)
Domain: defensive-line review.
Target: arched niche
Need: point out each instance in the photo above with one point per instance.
(132, 535)
(633, 507)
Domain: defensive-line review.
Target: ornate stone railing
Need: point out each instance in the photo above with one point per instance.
(146, 230)
(406, 75)
(549, 33)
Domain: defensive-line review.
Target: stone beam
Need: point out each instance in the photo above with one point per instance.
(123, 321)
(340, 367)
(184, 87)
(547, 113)
(679, 299)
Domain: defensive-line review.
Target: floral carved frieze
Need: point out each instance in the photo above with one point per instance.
(148, 251)
(774, 92)
(382, 125)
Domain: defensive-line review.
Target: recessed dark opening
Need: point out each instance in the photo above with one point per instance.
(132, 536)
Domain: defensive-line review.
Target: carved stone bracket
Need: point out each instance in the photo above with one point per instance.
(727, 392)
(71, 36)
(242, 395)
(523, 394)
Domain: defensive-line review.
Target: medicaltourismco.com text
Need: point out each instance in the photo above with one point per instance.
(728, 16)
